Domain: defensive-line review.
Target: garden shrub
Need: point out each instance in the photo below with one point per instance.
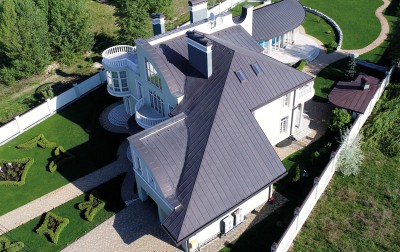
(297, 175)
(52, 226)
(60, 157)
(301, 65)
(7, 246)
(351, 156)
(91, 207)
(331, 46)
(39, 140)
(340, 120)
(15, 175)
(45, 91)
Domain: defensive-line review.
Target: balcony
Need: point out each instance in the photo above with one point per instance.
(118, 92)
(120, 56)
(306, 92)
(146, 116)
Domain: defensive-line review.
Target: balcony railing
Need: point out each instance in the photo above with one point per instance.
(112, 91)
(146, 121)
(120, 56)
(306, 92)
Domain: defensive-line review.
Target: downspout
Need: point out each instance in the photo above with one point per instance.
(293, 109)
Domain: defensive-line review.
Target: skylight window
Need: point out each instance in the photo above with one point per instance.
(256, 68)
(241, 76)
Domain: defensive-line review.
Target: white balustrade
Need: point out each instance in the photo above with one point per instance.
(120, 56)
(144, 121)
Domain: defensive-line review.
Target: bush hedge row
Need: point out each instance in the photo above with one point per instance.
(39, 140)
(28, 163)
(91, 207)
(7, 246)
(53, 235)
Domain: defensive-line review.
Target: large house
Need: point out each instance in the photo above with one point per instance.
(212, 105)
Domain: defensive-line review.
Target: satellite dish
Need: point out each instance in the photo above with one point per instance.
(219, 21)
(212, 17)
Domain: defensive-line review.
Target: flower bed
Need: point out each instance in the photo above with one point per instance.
(61, 156)
(91, 207)
(13, 172)
(8, 246)
(52, 226)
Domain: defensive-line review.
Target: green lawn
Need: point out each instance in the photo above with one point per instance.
(319, 28)
(77, 226)
(78, 130)
(237, 10)
(352, 17)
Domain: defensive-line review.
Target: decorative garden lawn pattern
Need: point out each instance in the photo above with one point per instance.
(7, 246)
(52, 226)
(91, 206)
(39, 141)
(13, 172)
(60, 157)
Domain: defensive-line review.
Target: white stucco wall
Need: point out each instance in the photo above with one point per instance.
(269, 117)
(248, 206)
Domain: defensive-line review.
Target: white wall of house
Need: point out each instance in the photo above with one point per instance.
(215, 228)
(269, 118)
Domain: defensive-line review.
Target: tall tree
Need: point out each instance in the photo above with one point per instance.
(132, 16)
(69, 28)
(25, 39)
(161, 6)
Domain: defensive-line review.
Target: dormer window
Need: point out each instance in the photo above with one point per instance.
(152, 75)
(256, 68)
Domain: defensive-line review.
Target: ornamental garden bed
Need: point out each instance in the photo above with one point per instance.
(13, 172)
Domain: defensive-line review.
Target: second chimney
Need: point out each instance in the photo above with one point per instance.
(158, 21)
(197, 10)
(200, 52)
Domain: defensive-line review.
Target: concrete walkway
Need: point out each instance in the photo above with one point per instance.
(64, 194)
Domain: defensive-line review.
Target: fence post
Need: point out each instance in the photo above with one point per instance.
(102, 76)
(274, 247)
(77, 92)
(20, 129)
(48, 106)
(316, 182)
(296, 215)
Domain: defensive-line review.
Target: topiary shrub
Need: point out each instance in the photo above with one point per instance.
(39, 140)
(91, 207)
(7, 246)
(351, 156)
(13, 172)
(60, 157)
(340, 120)
(331, 46)
(297, 174)
(52, 226)
(301, 65)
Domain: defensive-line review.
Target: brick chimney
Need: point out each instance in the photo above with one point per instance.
(158, 21)
(200, 52)
(197, 10)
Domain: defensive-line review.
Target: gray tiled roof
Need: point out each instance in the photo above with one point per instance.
(276, 19)
(213, 155)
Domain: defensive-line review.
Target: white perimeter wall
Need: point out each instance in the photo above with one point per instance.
(48, 108)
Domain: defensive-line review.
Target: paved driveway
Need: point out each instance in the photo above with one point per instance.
(135, 228)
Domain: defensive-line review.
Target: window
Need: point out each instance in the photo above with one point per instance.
(241, 76)
(256, 68)
(152, 75)
(156, 102)
(139, 90)
(284, 125)
(286, 100)
(170, 108)
(117, 81)
(138, 165)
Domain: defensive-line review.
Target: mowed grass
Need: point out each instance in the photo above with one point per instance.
(237, 10)
(357, 213)
(357, 19)
(78, 130)
(319, 28)
(77, 226)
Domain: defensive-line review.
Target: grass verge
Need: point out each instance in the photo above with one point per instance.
(77, 226)
(78, 130)
(352, 17)
(319, 28)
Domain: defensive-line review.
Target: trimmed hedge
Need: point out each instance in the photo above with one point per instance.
(301, 65)
(91, 207)
(39, 140)
(7, 246)
(61, 156)
(52, 226)
(26, 161)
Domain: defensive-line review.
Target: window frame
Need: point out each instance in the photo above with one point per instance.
(152, 75)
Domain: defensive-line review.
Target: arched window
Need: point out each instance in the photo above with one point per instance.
(152, 75)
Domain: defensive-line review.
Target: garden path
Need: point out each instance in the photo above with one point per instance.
(64, 194)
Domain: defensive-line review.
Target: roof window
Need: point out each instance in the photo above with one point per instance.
(256, 68)
(241, 76)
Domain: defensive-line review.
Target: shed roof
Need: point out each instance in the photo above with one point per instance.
(349, 95)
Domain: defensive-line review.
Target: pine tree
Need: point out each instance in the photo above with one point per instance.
(69, 28)
(161, 6)
(25, 39)
(132, 20)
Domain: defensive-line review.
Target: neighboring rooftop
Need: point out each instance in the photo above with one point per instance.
(198, 155)
(351, 96)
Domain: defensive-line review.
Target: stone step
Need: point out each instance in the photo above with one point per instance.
(118, 116)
